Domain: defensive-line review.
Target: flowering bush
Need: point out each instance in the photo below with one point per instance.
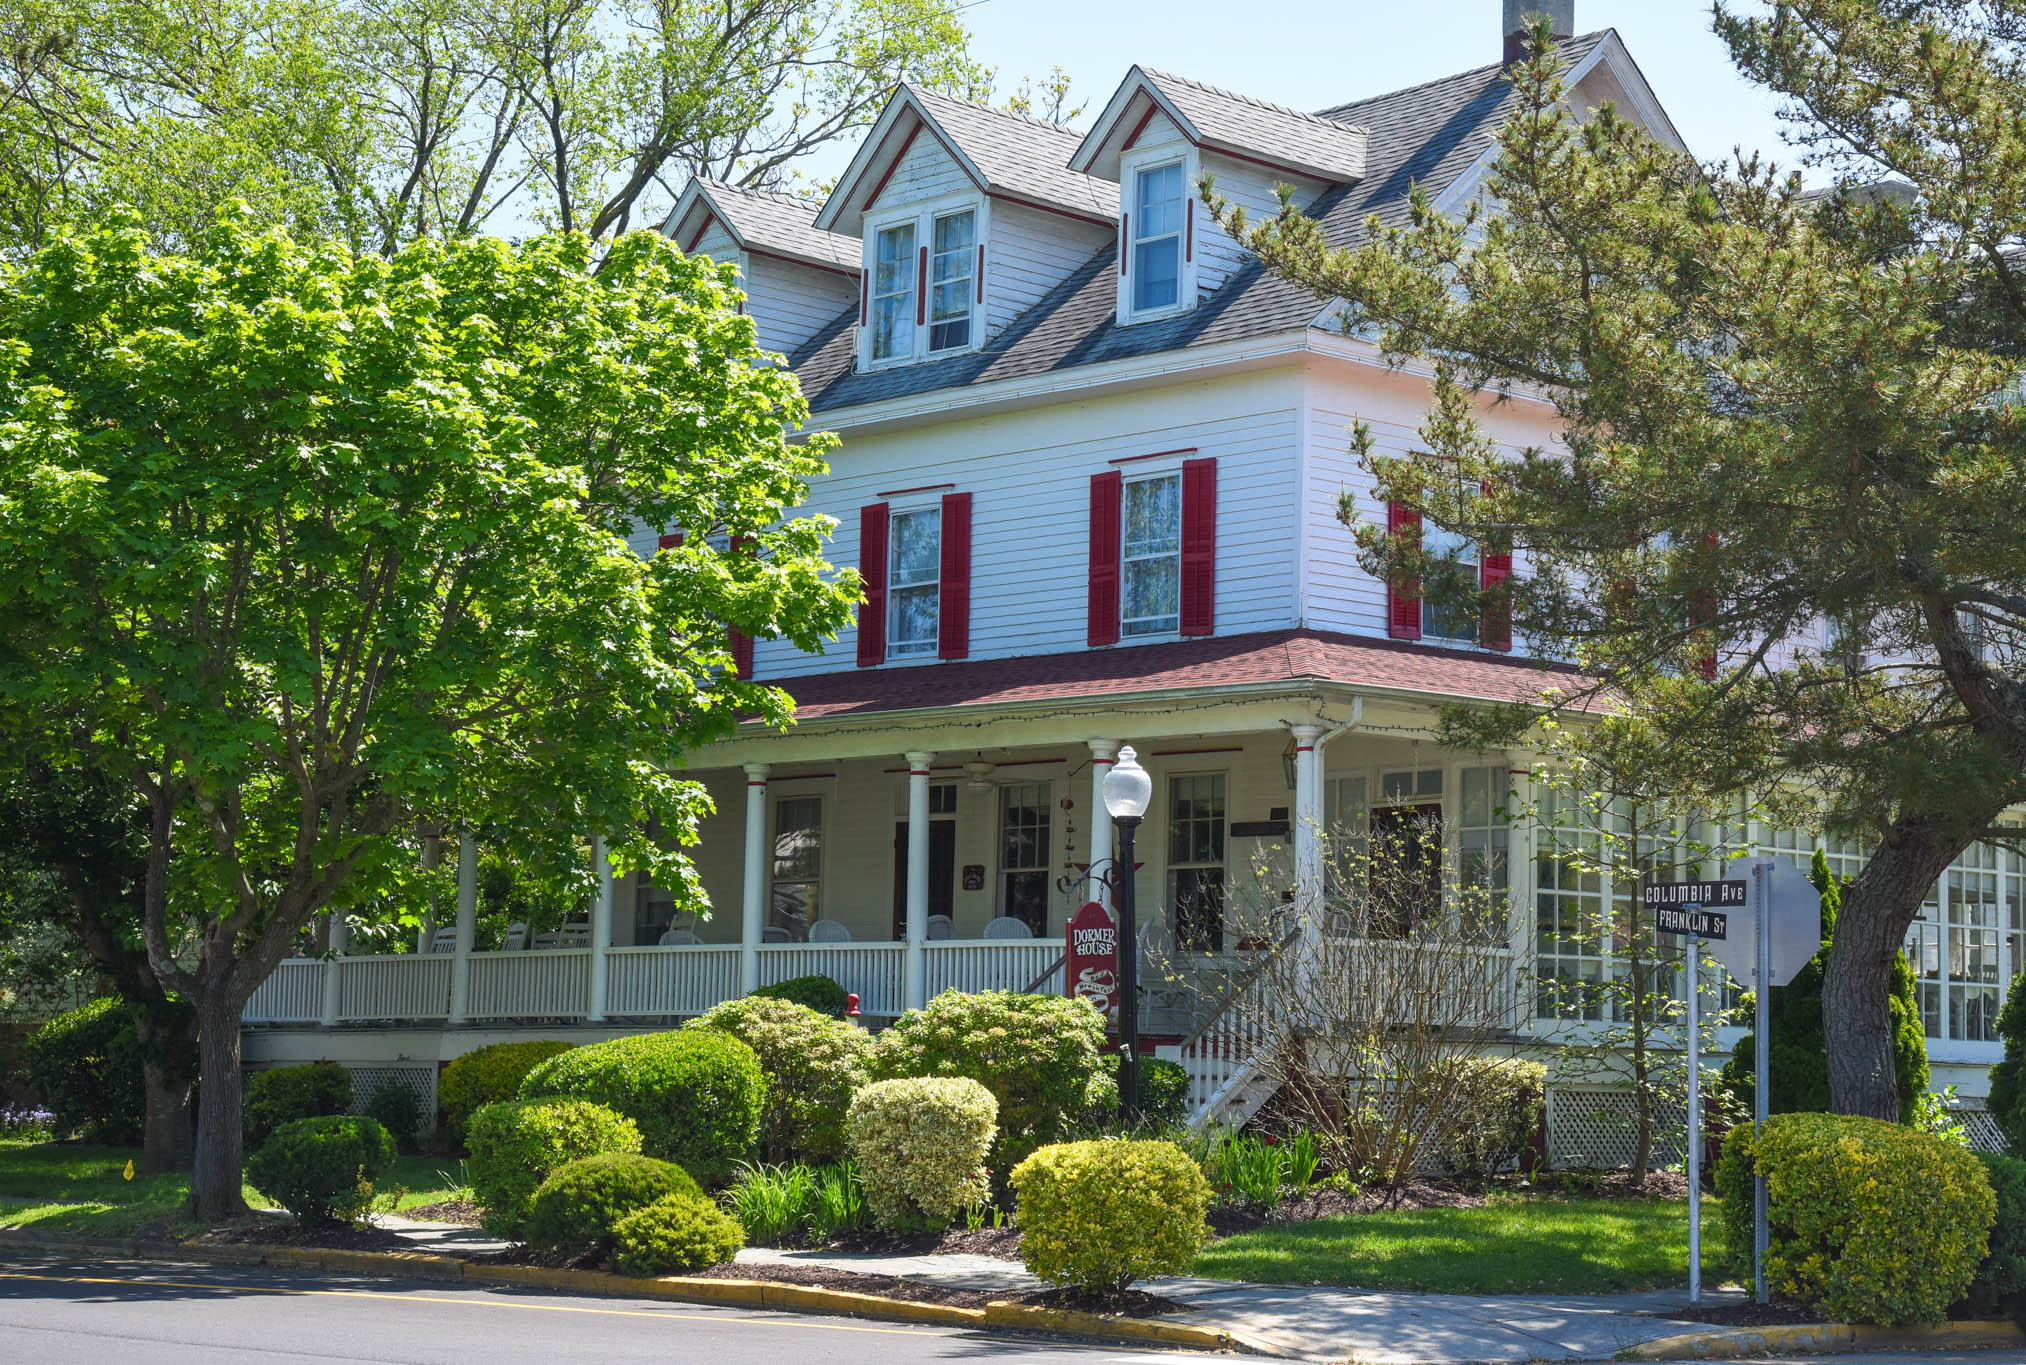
(680, 1232)
(1870, 1221)
(1099, 1215)
(813, 1064)
(920, 1145)
(1041, 1056)
(580, 1204)
(696, 1094)
(487, 1075)
(515, 1145)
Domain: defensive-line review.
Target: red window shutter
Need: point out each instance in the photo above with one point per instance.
(1199, 546)
(1125, 238)
(864, 297)
(1497, 624)
(953, 607)
(672, 541)
(922, 290)
(742, 653)
(872, 567)
(1107, 491)
(1403, 600)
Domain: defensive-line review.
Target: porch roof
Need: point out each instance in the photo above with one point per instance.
(1225, 662)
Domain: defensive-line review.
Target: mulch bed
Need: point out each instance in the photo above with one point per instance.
(1000, 1242)
(1132, 1304)
(449, 1211)
(1746, 1314)
(288, 1233)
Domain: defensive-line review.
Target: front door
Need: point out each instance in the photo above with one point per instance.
(942, 872)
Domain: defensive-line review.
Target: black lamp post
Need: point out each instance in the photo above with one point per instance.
(1127, 789)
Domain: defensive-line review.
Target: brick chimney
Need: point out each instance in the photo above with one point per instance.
(1519, 16)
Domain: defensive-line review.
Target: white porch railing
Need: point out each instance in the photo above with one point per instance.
(871, 971)
(294, 994)
(403, 986)
(677, 980)
(552, 983)
(1000, 965)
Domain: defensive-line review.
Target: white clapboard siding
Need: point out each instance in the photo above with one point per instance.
(926, 172)
(792, 303)
(719, 245)
(1029, 252)
(1029, 475)
(1251, 187)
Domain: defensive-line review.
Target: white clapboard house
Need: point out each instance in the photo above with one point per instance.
(1091, 462)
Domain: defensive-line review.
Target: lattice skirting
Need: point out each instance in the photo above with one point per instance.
(421, 1078)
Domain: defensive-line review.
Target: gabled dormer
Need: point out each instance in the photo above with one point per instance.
(797, 277)
(966, 217)
(1154, 141)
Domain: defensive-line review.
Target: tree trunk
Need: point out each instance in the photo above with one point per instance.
(1856, 1020)
(167, 1140)
(216, 1175)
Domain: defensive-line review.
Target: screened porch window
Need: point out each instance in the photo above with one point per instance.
(798, 865)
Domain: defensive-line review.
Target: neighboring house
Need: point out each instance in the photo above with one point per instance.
(1091, 462)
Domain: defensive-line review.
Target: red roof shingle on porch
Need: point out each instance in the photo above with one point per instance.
(1233, 661)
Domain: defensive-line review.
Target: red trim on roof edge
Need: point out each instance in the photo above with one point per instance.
(893, 165)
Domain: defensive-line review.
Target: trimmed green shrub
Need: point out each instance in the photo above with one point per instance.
(1164, 1093)
(576, 1208)
(287, 1093)
(1099, 1215)
(322, 1169)
(2007, 1101)
(488, 1075)
(681, 1232)
(398, 1109)
(1999, 1288)
(1499, 1104)
(1799, 1051)
(813, 1064)
(1041, 1056)
(1869, 1221)
(818, 993)
(85, 1067)
(517, 1143)
(920, 1145)
(696, 1094)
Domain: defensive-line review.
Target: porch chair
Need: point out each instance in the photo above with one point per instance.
(774, 933)
(516, 937)
(678, 936)
(1009, 927)
(444, 940)
(941, 927)
(828, 931)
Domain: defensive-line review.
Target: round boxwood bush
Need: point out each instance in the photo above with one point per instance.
(813, 1063)
(1998, 1289)
(577, 1207)
(516, 1144)
(1099, 1215)
(920, 1145)
(1041, 1056)
(287, 1093)
(322, 1169)
(671, 1235)
(85, 1067)
(1869, 1221)
(818, 993)
(398, 1109)
(697, 1094)
(487, 1075)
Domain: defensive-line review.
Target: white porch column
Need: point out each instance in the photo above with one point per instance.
(915, 963)
(601, 932)
(336, 941)
(1103, 753)
(467, 927)
(432, 854)
(1308, 823)
(752, 909)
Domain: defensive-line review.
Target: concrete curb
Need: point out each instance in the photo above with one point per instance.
(1822, 1338)
(765, 1294)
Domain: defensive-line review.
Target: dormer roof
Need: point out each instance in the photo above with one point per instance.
(1306, 144)
(763, 223)
(1003, 153)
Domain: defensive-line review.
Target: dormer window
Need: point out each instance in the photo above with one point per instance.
(893, 293)
(956, 240)
(1157, 238)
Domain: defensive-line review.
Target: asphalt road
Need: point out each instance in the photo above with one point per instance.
(60, 1313)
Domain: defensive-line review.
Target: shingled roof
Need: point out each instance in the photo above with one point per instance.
(1022, 156)
(1429, 134)
(762, 220)
(1223, 120)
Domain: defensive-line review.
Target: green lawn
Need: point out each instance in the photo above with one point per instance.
(82, 1188)
(1514, 1244)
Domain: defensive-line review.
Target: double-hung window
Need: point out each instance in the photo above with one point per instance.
(951, 276)
(1450, 620)
(893, 292)
(1023, 853)
(914, 581)
(1157, 237)
(1151, 555)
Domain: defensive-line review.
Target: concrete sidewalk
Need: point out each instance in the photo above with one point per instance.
(1339, 1324)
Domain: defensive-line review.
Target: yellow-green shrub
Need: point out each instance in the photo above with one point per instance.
(488, 1075)
(517, 1143)
(1099, 1215)
(920, 1144)
(678, 1233)
(1869, 1221)
(813, 1064)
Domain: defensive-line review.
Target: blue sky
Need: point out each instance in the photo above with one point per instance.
(1314, 53)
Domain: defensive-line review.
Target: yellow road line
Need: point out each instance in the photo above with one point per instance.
(487, 1302)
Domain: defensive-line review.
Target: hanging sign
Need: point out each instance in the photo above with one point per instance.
(1090, 968)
